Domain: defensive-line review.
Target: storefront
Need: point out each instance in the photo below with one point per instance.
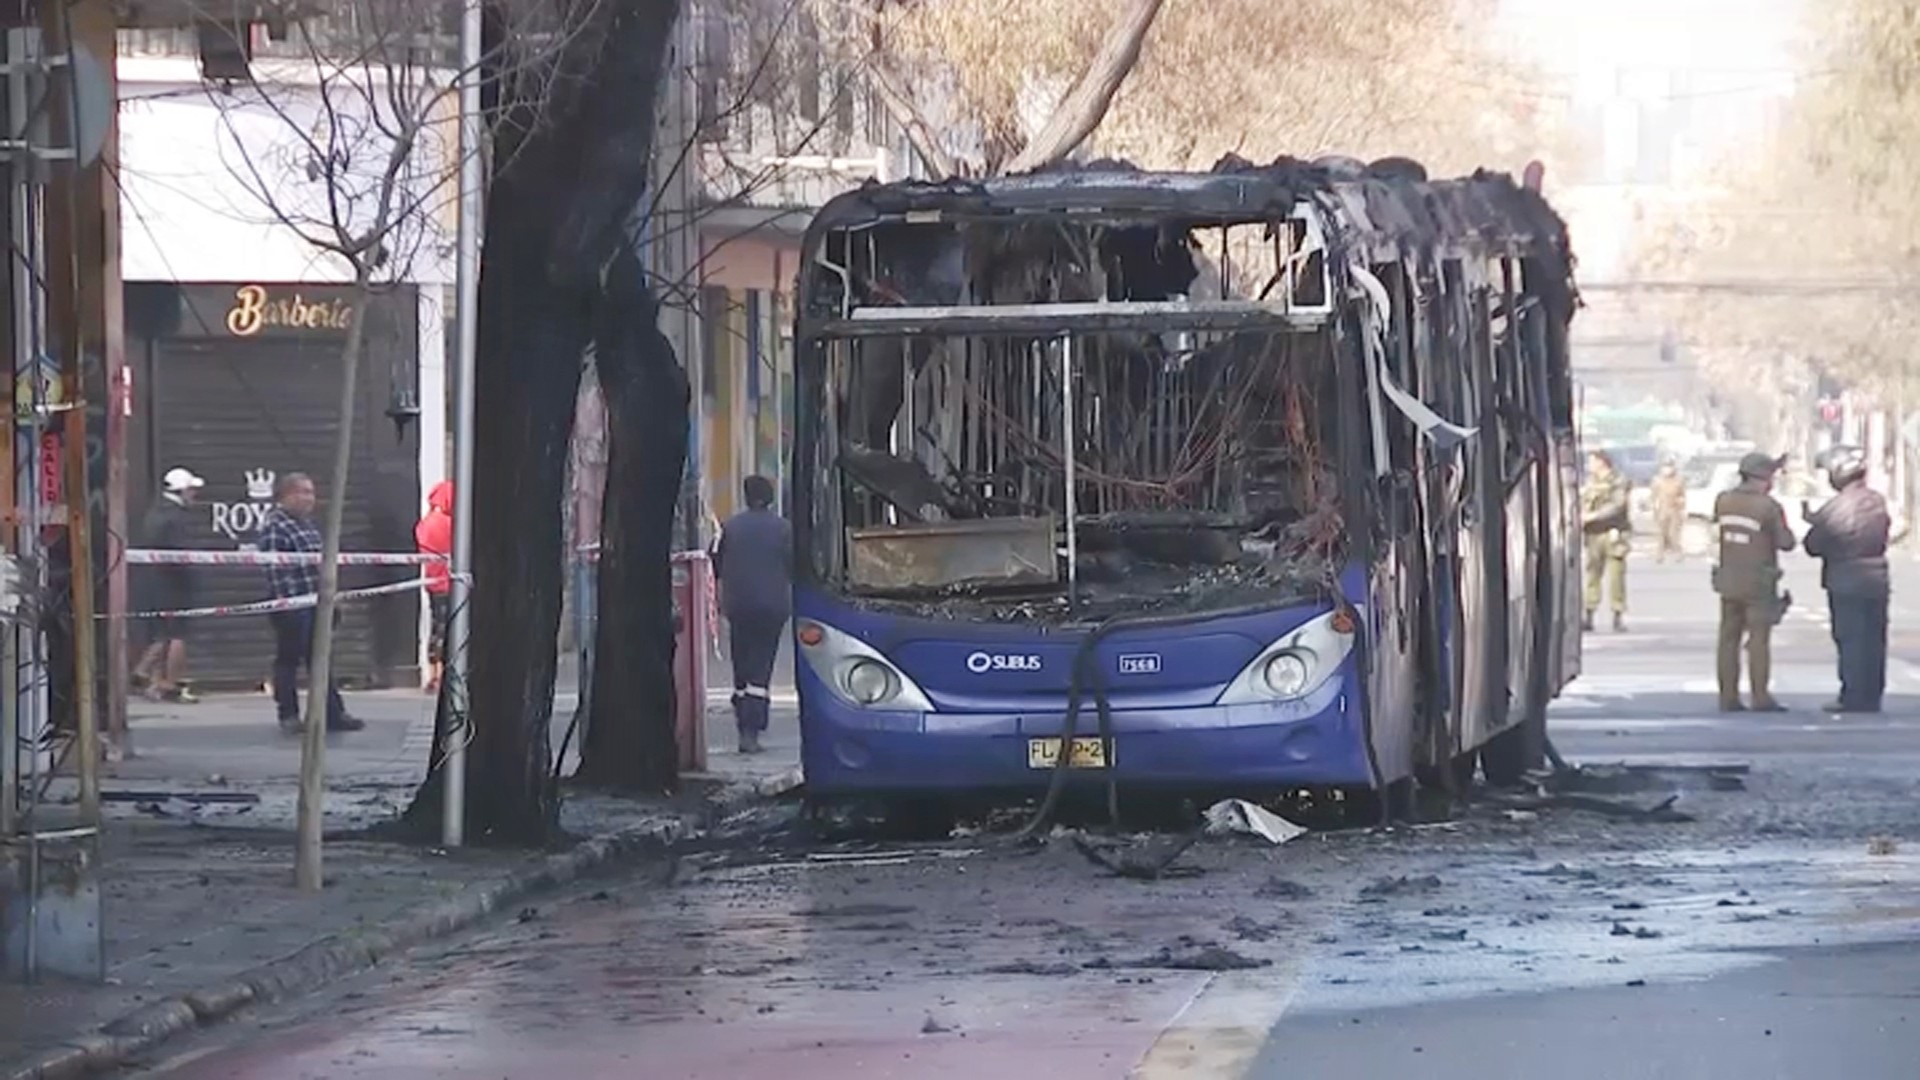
(240, 383)
(746, 354)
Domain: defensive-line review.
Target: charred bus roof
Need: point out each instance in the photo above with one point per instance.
(1385, 210)
(1339, 214)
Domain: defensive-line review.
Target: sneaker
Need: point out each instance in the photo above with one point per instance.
(291, 725)
(1619, 622)
(346, 723)
(184, 696)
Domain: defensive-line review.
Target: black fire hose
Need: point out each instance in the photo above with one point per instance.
(1103, 707)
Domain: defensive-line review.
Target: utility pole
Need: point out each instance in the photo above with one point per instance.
(674, 245)
(466, 343)
(69, 275)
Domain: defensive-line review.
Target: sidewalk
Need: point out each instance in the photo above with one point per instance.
(229, 743)
(197, 894)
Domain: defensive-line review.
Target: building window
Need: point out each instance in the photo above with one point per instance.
(806, 68)
(713, 73)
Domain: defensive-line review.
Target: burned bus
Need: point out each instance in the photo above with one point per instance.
(1247, 482)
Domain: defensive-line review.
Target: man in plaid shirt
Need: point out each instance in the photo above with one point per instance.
(289, 527)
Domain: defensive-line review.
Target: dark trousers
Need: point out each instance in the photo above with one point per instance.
(292, 647)
(1860, 635)
(755, 640)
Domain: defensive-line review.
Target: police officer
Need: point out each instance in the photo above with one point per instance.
(1753, 531)
(1606, 528)
(1850, 535)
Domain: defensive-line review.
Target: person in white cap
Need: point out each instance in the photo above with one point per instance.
(170, 521)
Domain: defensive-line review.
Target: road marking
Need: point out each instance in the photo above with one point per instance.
(1589, 723)
(1218, 1034)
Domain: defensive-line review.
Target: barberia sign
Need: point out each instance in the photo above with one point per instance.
(256, 308)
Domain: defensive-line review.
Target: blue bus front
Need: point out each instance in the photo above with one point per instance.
(1248, 702)
(1029, 414)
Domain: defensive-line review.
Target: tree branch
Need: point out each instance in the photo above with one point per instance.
(900, 106)
(1081, 111)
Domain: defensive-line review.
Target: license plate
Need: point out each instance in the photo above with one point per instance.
(1087, 754)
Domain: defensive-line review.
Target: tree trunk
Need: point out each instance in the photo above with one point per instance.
(557, 213)
(527, 371)
(310, 811)
(630, 742)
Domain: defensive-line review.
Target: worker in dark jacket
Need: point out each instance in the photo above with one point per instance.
(1752, 531)
(170, 522)
(1850, 536)
(752, 562)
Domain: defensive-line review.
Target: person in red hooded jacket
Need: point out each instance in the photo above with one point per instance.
(434, 536)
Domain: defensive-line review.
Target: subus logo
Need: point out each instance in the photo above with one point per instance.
(1140, 664)
(980, 663)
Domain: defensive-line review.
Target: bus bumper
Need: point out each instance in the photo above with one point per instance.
(1248, 749)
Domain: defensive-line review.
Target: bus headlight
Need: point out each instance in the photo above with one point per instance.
(1297, 664)
(855, 671)
(869, 682)
(1287, 674)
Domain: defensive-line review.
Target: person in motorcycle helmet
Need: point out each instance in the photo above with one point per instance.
(1849, 535)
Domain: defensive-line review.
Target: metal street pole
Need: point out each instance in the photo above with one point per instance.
(466, 340)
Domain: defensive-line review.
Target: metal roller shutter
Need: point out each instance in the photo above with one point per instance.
(238, 411)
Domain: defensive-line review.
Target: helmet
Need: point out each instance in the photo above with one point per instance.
(1759, 466)
(1845, 465)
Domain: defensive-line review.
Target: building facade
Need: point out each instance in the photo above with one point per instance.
(235, 322)
(777, 123)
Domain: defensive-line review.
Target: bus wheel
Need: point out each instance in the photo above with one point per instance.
(1367, 808)
(1505, 755)
(1461, 768)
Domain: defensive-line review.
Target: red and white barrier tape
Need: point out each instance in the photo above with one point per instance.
(285, 603)
(162, 557)
(157, 557)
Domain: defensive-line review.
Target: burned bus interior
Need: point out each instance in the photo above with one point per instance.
(1092, 393)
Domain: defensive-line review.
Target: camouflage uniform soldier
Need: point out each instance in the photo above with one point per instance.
(1605, 525)
(1753, 532)
(1669, 509)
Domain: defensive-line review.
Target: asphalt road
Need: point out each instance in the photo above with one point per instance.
(1509, 942)
(1814, 1013)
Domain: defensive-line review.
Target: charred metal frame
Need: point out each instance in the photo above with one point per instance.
(1298, 299)
(1461, 257)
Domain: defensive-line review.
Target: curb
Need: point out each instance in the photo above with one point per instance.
(339, 955)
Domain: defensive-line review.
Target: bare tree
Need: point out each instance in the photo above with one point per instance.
(1817, 214)
(347, 140)
(1178, 85)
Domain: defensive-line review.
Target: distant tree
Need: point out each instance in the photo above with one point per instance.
(1177, 85)
(1821, 208)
